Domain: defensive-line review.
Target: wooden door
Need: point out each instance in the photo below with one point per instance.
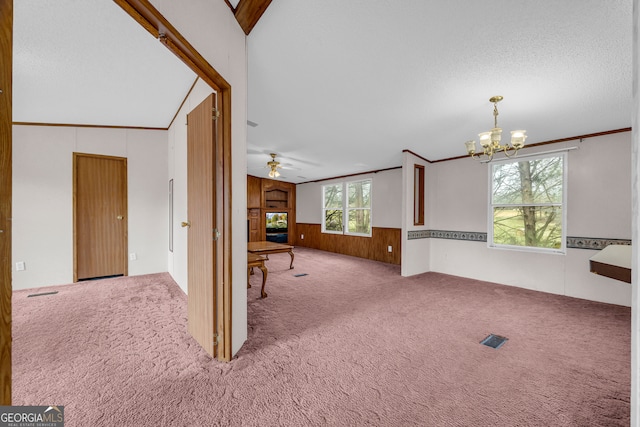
(100, 216)
(203, 250)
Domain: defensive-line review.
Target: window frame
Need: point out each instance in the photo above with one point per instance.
(563, 205)
(346, 209)
(418, 194)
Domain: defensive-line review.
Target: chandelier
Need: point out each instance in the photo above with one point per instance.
(490, 141)
(273, 165)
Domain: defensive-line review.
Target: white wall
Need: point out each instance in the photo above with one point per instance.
(599, 205)
(415, 252)
(42, 198)
(214, 32)
(635, 187)
(385, 200)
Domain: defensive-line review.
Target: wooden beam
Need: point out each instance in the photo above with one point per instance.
(152, 20)
(249, 12)
(6, 57)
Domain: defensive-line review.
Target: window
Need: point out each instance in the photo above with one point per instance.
(527, 208)
(356, 208)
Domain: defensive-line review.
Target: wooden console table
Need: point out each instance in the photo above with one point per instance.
(266, 248)
(254, 260)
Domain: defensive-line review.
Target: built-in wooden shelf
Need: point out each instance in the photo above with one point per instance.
(267, 195)
(613, 261)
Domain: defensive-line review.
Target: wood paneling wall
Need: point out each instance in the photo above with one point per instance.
(374, 247)
(254, 192)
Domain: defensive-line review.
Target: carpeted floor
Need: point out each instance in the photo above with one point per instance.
(351, 343)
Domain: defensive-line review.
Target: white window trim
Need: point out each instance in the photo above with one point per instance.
(345, 209)
(534, 156)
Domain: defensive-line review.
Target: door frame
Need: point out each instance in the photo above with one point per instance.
(152, 20)
(6, 56)
(75, 207)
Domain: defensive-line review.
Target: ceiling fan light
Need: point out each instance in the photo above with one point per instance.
(274, 165)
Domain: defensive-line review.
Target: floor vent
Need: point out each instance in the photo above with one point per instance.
(43, 293)
(300, 275)
(494, 341)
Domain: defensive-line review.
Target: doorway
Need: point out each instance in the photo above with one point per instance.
(99, 216)
(153, 21)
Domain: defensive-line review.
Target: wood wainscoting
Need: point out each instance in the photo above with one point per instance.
(374, 247)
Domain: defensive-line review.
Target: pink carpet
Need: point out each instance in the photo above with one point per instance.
(351, 343)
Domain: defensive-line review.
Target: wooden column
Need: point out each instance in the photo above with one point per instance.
(6, 37)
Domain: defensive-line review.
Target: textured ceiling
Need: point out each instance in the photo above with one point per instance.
(343, 87)
(88, 62)
(340, 87)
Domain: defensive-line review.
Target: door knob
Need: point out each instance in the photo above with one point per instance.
(120, 217)
(186, 224)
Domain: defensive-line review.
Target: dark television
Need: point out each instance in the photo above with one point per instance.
(277, 222)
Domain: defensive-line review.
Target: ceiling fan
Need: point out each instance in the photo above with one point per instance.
(274, 165)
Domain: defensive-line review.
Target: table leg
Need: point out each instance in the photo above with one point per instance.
(291, 265)
(249, 271)
(264, 280)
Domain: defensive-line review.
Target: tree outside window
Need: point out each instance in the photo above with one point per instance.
(527, 203)
(332, 208)
(359, 208)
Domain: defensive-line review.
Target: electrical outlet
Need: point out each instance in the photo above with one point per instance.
(389, 249)
(302, 237)
(20, 266)
(133, 256)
